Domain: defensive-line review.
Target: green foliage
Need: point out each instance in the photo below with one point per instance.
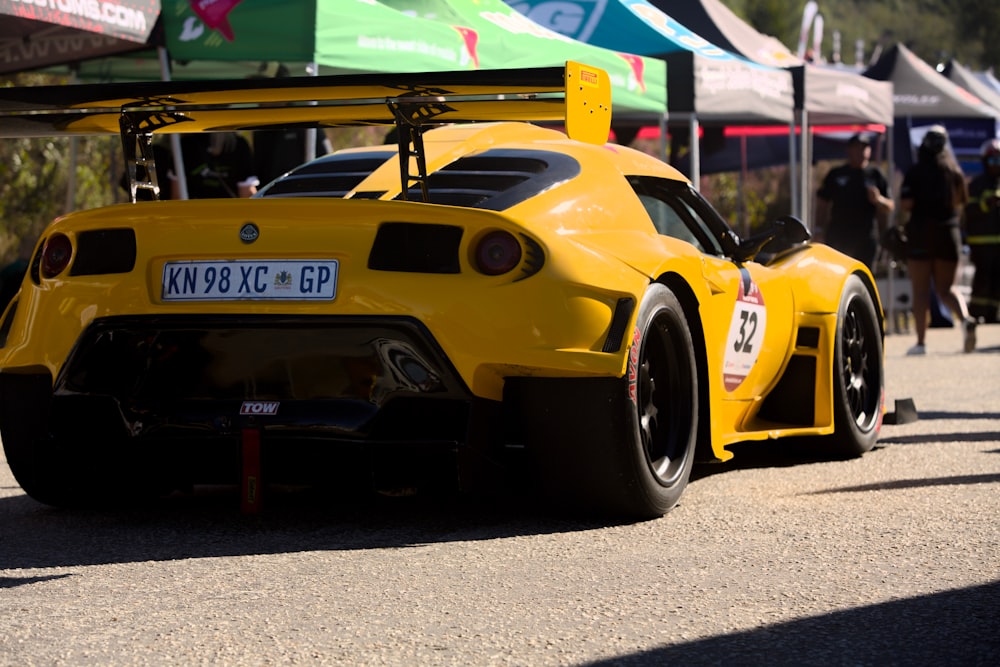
(935, 30)
(34, 179)
(749, 201)
(773, 17)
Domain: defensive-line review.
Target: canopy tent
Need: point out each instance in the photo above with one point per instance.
(706, 84)
(718, 24)
(34, 34)
(506, 38)
(987, 77)
(364, 36)
(822, 95)
(231, 39)
(962, 76)
(308, 37)
(923, 97)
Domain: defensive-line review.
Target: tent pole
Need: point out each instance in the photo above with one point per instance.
(175, 139)
(805, 159)
(695, 146)
(74, 144)
(793, 181)
(744, 213)
(892, 165)
(663, 139)
(310, 155)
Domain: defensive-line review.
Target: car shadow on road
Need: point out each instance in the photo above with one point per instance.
(207, 522)
(782, 453)
(959, 627)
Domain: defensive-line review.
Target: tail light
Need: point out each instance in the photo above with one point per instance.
(56, 255)
(497, 252)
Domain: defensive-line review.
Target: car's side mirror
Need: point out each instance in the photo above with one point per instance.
(783, 233)
(793, 231)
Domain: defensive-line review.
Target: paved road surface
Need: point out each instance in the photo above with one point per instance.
(892, 559)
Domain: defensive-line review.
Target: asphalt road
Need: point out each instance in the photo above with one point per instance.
(773, 559)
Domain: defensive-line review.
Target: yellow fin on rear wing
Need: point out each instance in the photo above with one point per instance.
(577, 95)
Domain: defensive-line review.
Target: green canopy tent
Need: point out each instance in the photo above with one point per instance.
(229, 39)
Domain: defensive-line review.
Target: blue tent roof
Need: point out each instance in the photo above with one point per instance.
(703, 79)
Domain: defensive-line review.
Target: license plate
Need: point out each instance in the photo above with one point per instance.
(268, 279)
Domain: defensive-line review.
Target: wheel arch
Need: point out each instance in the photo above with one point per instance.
(869, 282)
(689, 302)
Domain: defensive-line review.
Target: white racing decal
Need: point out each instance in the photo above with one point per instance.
(259, 407)
(746, 333)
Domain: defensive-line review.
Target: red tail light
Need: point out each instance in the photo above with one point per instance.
(56, 255)
(497, 252)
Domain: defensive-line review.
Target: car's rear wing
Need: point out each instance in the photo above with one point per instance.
(576, 95)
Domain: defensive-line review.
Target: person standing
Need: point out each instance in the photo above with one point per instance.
(982, 234)
(217, 165)
(853, 204)
(276, 152)
(934, 195)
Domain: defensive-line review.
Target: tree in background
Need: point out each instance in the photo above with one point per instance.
(34, 178)
(933, 29)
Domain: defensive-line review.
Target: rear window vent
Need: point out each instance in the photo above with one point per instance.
(497, 179)
(494, 180)
(333, 176)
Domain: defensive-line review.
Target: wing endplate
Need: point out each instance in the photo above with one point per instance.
(588, 103)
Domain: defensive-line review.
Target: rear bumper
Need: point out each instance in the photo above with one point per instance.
(150, 383)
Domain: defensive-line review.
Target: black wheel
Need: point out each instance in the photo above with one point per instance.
(73, 469)
(858, 375)
(663, 395)
(45, 472)
(620, 446)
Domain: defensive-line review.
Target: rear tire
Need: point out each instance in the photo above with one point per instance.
(46, 472)
(858, 373)
(73, 469)
(661, 432)
(622, 446)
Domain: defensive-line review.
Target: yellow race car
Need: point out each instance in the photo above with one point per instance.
(488, 295)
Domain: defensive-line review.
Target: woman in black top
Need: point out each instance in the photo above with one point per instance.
(934, 194)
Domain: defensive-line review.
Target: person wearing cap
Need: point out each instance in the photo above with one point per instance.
(933, 196)
(982, 234)
(853, 204)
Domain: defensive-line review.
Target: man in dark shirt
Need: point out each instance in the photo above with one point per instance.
(276, 152)
(853, 204)
(217, 165)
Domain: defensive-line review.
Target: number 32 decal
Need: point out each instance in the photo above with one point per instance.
(746, 332)
(748, 328)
